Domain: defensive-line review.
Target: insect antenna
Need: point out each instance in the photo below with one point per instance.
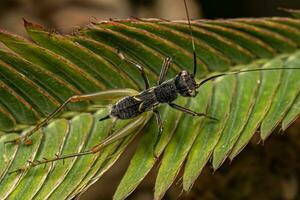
(192, 37)
(243, 71)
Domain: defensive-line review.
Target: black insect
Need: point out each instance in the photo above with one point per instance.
(134, 104)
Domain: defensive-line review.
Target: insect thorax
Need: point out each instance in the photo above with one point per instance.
(152, 97)
(166, 92)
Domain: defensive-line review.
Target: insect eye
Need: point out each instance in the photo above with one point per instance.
(184, 73)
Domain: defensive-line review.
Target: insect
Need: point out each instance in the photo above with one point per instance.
(134, 104)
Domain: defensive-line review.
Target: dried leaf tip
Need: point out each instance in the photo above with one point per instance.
(28, 24)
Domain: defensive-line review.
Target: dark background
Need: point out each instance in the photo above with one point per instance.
(269, 171)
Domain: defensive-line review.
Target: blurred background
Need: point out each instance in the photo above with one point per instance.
(65, 15)
(268, 171)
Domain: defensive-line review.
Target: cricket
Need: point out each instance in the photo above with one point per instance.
(184, 84)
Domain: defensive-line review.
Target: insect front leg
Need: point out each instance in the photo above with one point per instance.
(109, 94)
(188, 111)
(166, 65)
(140, 68)
(160, 130)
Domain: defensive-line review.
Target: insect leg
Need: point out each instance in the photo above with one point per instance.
(110, 139)
(104, 118)
(164, 70)
(140, 67)
(188, 111)
(160, 130)
(109, 94)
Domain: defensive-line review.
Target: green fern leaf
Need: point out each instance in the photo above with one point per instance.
(36, 77)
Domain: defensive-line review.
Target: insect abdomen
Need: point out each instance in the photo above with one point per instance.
(126, 108)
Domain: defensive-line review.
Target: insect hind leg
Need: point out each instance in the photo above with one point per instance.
(27, 141)
(115, 136)
(108, 94)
